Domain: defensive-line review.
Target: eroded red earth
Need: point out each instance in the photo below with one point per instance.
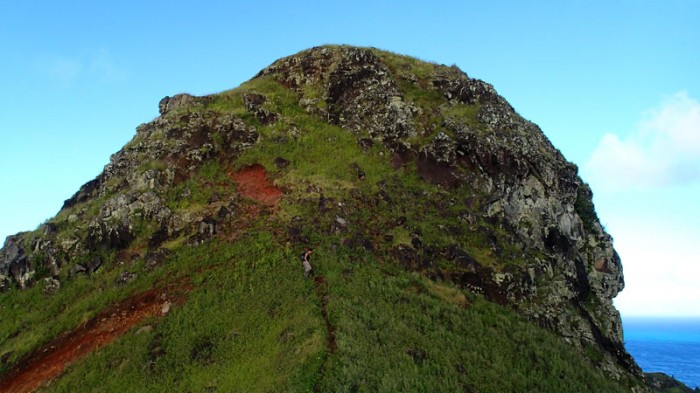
(253, 183)
(49, 361)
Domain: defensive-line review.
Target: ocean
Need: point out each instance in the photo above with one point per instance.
(667, 345)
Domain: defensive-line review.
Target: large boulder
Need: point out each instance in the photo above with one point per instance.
(14, 263)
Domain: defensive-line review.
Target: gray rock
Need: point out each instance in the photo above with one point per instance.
(108, 234)
(94, 264)
(360, 94)
(51, 285)
(125, 278)
(207, 227)
(5, 283)
(254, 103)
(14, 262)
(144, 329)
(154, 258)
(224, 213)
(168, 104)
(50, 229)
(281, 163)
(77, 269)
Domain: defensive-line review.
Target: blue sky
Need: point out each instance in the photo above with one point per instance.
(614, 85)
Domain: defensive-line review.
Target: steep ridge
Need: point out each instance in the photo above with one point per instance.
(397, 171)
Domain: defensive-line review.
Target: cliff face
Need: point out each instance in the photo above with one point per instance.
(469, 191)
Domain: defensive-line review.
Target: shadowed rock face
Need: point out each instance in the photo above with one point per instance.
(457, 132)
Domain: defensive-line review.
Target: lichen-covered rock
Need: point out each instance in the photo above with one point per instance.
(5, 282)
(355, 85)
(254, 103)
(667, 384)
(156, 257)
(125, 278)
(169, 149)
(14, 262)
(168, 103)
(51, 286)
(77, 269)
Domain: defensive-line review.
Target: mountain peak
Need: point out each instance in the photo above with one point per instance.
(380, 161)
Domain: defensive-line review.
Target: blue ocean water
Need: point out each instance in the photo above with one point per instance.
(667, 345)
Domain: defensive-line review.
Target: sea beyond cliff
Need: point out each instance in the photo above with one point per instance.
(666, 344)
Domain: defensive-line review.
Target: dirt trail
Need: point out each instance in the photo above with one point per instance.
(49, 361)
(322, 292)
(253, 183)
(331, 346)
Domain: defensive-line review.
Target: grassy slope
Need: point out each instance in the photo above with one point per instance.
(253, 323)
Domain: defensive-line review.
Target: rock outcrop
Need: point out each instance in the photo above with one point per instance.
(529, 187)
(14, 263)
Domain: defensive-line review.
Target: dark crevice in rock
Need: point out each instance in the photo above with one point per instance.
(617, 349)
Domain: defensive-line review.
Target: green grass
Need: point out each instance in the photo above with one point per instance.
(396, 334)
(31, 319)
(323, 156)
(195, 193)
(253, 323)
(403, 66)
(158, 165)
(584, 207)
(463, 114)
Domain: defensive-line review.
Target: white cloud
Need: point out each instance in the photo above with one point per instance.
(660, 268)
(665, 149)
(67, 71)
(104, 68)
(63, 70)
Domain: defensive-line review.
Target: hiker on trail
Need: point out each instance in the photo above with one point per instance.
(306, 261)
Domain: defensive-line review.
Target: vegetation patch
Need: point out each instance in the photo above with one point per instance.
(584, 207)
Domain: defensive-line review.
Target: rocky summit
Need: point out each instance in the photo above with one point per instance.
(454, 248)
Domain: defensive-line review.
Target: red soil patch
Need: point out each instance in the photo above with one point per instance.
(49, 361)
(253, 183)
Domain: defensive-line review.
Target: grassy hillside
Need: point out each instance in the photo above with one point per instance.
(253, 323)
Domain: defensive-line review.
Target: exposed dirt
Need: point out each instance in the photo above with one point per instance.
(49, 361)
(436, 173)
(322, 293)
(253, 183)
(331, 346)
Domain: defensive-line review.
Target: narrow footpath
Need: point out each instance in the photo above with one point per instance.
(331, 346)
